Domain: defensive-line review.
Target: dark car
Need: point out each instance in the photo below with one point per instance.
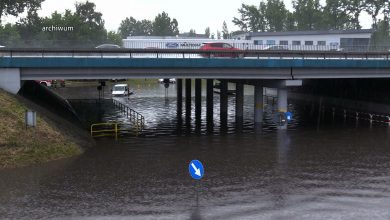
(214, 47)
(108, 46)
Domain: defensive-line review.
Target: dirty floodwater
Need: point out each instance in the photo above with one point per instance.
(335, 170)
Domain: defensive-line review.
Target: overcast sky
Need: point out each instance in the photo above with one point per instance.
(196, 14)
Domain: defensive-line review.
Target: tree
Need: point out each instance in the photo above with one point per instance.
(380, 40)
(145, 27)
(308, 14)
(84, 28)
(335, 17)
(164, 26)
(225, 31)
(16, 7)
(353, 8)
(251, 19)
(275, 15)
(207, 32)
(92, 28)
(290, 24)
(132, 27)
(218, 35)
(373, 8)
(128, 27)
(9, 36)
(192, 33)
(87, 14)
(114, 38)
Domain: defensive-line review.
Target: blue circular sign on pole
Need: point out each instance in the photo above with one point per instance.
(289, 116)
(196, 169)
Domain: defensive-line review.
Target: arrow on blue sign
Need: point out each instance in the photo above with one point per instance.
(196, 169)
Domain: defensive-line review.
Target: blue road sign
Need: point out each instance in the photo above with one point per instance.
(289, 116)
(196, 169)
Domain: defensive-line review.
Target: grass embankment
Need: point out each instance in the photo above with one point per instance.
(20, 146)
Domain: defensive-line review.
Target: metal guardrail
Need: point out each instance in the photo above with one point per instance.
(186, 53)
(136, 118)
(370, 117)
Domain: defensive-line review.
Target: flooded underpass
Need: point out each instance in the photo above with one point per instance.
(338, 169)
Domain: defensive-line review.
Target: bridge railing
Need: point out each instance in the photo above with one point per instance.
(190, 53)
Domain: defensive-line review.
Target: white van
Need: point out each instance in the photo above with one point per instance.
(120, 90)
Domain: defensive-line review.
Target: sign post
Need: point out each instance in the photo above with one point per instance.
(30, 118)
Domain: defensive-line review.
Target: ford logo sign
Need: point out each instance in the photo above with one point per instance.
(172, 45)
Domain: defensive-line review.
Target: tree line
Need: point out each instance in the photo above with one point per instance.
(81, 28)
(270, 15)
(308, 15)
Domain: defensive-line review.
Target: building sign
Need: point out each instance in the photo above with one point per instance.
(172, 45)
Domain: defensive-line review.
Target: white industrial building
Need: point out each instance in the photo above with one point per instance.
(350, 40)
(171, 42)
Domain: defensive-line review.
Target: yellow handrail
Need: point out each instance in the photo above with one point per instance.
(105, 131)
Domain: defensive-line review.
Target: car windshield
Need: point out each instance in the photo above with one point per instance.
(119, 88)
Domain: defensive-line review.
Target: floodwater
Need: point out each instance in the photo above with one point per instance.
(333, 170)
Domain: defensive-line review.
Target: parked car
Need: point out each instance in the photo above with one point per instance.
(121, 90)
(108, 46)
(52, 83)
(45, 82)
(219, 46)
(276, 47)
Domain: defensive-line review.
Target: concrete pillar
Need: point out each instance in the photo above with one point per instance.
(282, 104)
(198, 98)
(210, 105)
(198, 104)
(179, 87)
(239, 105)
(188, 103)
(10, 80)
(223, 105)
(258, 104)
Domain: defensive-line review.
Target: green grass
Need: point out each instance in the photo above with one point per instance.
(20, 146)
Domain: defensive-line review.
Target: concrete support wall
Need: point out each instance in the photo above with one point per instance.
(198, 99)
(258, 104)
(282, 100)
(224, 105)
(198, 104)
(239, 105)
(179, 84)
(10, 80)
(282, 104)
(210, 104)
(188, 101)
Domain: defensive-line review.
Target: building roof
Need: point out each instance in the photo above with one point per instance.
(168, 37)
(324, 32)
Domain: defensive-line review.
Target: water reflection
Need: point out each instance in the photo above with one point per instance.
(339, 171)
